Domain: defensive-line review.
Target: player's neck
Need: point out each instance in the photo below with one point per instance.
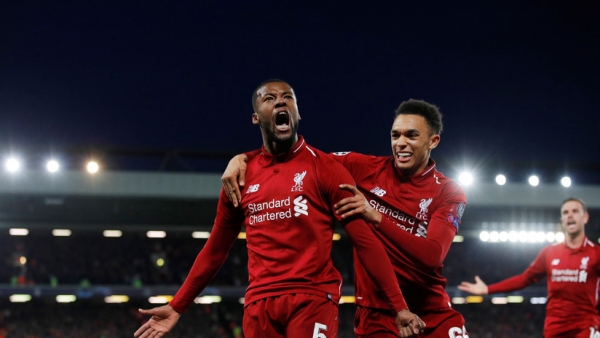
(574, 241)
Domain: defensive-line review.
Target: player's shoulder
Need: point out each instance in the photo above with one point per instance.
(448, 184)
(355, 157)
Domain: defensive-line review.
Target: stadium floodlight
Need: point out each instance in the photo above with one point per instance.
(19, 298)
(347, 300)
(466, 178)
(499, 300)
(513, 236)
(533, 180)
(503, 236)
(116, 299)
(565, 181)
(52, 166)
(500, 179)
(66, 298)
(484, 236)
(523, 236)
(61, 232)
(515, 299)
(201, 234)
(112, 233)
(207, 299)
(12, 164)
(160, 299)
(494, 236)
(550, 236)
(92, 167)
(560, 237)
(156, 234)
(18, 232)
(538, 300)
(540, 236)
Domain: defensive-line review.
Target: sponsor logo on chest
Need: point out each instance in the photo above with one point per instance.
(278, 209)
(570, 275)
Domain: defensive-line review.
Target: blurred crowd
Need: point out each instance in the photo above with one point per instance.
(136, 260)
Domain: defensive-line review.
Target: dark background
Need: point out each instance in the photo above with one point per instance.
(517, 82)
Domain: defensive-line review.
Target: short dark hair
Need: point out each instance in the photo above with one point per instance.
(575, 199)
(255, 94)
(430, 112)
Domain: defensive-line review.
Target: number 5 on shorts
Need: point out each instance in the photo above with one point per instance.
(317, 332)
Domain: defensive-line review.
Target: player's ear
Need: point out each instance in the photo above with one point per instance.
(434, 141)
(255, 118)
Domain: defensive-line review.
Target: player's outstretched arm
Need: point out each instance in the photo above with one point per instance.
(357, 205)
(234, 178)
(409, 324)
(162, 321)
(477, 288)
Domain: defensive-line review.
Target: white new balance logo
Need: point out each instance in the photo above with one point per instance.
(300, 206)
(378, 191)
(555, 261)
(253, 188)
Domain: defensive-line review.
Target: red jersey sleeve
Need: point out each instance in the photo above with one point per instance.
(534, 273)
(431, 251)
(369, 249)
(226, 229)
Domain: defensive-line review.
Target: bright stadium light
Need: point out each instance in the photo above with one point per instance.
(503, 236)
(18, 232)
(550, 236)
(112, 233)
(201, 234)
(19, 298)
(565, 181)
(92, 167)
(466, 178)
(540, 236)
(513, 236)
(12, 164)
(484, 236)
(534, 180)
(500, 179)
(156, 234)
(560, 237)
(61, 232)
(52, 166)
(494, 236)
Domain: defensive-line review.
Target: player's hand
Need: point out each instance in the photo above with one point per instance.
(162, 321)
(477, 288)
(409, 324)
(357, 205)
(234, 177)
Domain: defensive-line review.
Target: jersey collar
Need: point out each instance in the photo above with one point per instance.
(419, 177)
(283, 157)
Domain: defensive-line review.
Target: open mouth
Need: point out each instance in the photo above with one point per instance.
(282, 120)
(403, 156)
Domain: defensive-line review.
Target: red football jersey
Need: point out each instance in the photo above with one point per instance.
(287, 210)
(572, 277)
(421, 217)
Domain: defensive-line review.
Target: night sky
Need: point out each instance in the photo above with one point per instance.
(518, 82)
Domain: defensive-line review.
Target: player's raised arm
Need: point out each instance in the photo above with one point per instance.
(162, 321)
(477, 288)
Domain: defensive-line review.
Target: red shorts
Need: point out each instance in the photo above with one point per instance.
(588, 327)
(378, 323)
(294, 315)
